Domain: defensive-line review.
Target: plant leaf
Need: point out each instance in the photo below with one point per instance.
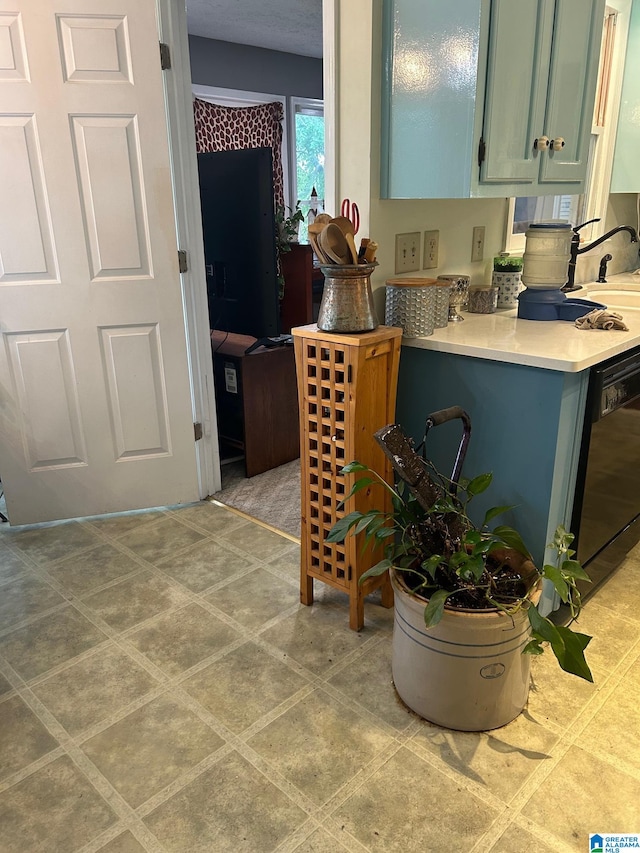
(354, 466)
(435, 608)
(554, 574)
(360, 484)
(479, 484)
(568, 646)
(512, 539)
(573, 569)
(377, 570)
(431, 564)
(493, 513)
(342, 527)
(533, 647)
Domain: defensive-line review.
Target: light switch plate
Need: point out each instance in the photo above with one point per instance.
(408, 252)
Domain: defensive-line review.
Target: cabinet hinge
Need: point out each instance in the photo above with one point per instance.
(349, 373)
(197, 431)
(165, 56)
(482, 150)
(183, 263)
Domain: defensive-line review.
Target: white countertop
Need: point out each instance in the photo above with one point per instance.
(551, 344)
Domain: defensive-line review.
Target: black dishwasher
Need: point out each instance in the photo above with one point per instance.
(606, 513)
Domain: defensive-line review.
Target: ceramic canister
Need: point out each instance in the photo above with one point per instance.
(509, 285)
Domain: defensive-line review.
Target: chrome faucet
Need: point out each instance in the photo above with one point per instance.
(576, 249)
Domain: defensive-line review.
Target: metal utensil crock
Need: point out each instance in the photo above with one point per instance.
(347, 301)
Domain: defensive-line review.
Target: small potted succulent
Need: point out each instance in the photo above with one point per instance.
(466, 595)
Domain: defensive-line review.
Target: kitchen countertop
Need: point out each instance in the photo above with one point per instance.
(550, 344)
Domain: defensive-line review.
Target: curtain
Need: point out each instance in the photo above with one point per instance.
(221, 128)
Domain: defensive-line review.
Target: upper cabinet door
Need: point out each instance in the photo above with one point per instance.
(429, 97)
(572, 86)
(517, 77)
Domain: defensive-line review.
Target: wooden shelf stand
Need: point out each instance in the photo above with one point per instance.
(346, 391)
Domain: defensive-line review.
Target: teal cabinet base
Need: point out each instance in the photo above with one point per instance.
(526, 426)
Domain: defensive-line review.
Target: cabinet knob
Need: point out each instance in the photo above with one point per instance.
(557, 144)
(541, 143)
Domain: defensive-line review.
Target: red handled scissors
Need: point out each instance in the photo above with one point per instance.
(350, 210)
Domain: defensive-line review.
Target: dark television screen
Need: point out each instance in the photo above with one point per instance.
(236, 194)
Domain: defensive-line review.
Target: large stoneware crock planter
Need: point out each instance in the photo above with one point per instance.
(468, 671)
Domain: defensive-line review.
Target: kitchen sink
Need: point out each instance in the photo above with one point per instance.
(620, 293)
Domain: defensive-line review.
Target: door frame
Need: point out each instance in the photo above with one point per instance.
(172, 28)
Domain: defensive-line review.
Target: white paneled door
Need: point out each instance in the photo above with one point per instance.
(95, 401)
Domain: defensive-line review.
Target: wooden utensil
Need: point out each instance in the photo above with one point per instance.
(346, 226)
(334, 244)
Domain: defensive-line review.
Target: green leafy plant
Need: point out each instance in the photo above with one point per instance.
(445, 558)
(287, 226)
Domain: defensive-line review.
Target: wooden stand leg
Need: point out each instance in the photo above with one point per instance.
(356, 608)
(306, 587)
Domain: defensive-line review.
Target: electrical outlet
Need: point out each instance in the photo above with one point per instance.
(431, 241)
(408, 252)
(477, 246)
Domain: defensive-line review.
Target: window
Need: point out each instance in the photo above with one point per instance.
(592, 204)
(308, 160)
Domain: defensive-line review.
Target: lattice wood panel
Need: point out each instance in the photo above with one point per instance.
(347, 388)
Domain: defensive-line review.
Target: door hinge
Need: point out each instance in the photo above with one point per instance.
(165, 56)
(183, 263)
(197, 431)
(349, 373)
(482, 151)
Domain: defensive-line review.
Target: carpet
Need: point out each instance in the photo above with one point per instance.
(272, 497)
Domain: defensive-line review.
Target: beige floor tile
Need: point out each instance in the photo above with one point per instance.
(409, 807)
(500, 761)
(256, 541)
(612, 635)
(255, 598)
(204, 564)
(318, 636)
(11, 565)
(154, 542)
(289, 562)
(231, 808)
(54, 809)
(79, 575)
(320, 841)
(243, 686)
(133, 600)
(556, 696)
(517, 840)
(583, 795)
(615, 729)
(93, 689)
(210, 517)
(23, 738)
(52, 542)
(178, 640)
(621, 592)
(124, 843)
(5, 686)
(49, 641)
(24, 597)
(319, 744)
(368, 681)
(150, 748)
(118, 525)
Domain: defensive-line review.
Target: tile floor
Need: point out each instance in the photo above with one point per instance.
(162, 689)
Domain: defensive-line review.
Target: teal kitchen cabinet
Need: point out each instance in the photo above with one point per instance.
(625, 177)
(487, 97)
